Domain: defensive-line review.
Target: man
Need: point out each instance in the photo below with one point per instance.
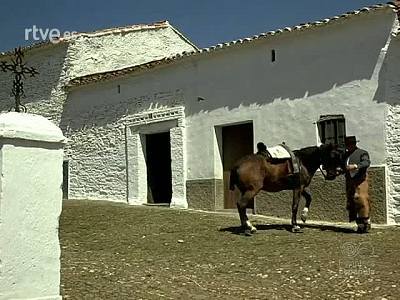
(358, 203)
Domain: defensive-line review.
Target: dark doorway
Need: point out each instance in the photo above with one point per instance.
(158, 160)
(237, 141)
(65, 184)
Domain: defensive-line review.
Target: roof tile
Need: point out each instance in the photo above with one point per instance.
(112, 74)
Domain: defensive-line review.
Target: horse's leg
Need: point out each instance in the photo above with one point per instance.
(304, 214)
(241, 205)
(295, 207)
(242, 215)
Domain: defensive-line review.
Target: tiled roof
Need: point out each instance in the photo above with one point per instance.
(124, 29)
(137, 27)
(101, 32)
(42, 44)
(125, 71)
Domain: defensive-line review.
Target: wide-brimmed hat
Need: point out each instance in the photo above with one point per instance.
(261, 146)
(351, 140)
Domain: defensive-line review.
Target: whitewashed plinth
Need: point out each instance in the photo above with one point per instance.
(31, 157)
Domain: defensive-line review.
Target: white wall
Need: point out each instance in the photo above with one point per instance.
(390, 91)
(44, 93)
(326, 70)
(31, 154)
(95, 121)
(95, 53)
(82, 55)
(88, 54)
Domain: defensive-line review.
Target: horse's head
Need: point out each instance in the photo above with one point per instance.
(331, 160)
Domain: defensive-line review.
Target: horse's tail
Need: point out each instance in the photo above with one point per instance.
(233, 179)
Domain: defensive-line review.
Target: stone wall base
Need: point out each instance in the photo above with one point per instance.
(328, 204)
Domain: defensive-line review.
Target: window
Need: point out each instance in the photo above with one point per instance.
(273, 55)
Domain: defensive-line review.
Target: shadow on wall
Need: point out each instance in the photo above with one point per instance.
(389, 75)
(41, 91)
(77, 116)
(307, 63)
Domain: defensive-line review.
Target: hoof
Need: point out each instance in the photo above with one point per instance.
(247, 232)
(304, 215)
(364, 229)
(250, 227)
(296, 229)
(363, 226)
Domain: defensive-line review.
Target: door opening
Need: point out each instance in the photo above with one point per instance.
(158, 161)
(65, 184)
(237, 141)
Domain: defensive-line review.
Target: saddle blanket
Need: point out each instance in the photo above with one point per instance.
(278, 152)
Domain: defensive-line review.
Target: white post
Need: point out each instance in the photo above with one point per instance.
(31, 157)
(178, 167)
(137, 174)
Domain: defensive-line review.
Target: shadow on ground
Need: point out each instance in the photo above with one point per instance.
(265, 227)
(117, 251)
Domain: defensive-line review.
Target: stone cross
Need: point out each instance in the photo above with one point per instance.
(20, 70)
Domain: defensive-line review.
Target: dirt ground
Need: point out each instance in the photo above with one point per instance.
(116, 251)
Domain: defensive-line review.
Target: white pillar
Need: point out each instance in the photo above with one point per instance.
(178, 167)
(137, 174)
(31, 156)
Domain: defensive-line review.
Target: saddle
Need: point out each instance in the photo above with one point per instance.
(281, 153)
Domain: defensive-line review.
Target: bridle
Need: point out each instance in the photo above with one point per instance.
(322, 172)
(338, 168)
(326, 176)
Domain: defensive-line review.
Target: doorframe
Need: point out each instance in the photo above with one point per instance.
(218, 159)
(136, 127)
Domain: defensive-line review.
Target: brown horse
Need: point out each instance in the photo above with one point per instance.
(256, 172)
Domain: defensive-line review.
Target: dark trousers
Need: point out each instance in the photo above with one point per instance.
(358, 201)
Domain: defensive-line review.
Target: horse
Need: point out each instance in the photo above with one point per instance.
(256, 172)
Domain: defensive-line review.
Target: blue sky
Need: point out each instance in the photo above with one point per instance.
(204, 22)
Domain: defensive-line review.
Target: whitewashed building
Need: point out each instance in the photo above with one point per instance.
(79, 55)
(88, 53)
(166, 128)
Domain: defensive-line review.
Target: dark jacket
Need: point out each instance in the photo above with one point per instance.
(359, 157)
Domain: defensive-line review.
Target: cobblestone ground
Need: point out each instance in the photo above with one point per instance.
(115, 251)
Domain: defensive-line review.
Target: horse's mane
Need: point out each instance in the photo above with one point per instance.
(310, 157)
(306, 152)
